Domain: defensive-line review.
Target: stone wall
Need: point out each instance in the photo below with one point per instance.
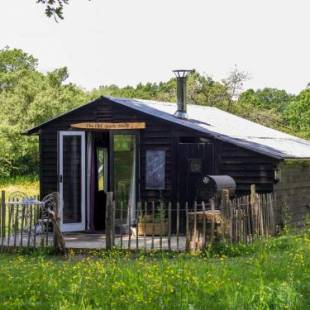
(292, 192)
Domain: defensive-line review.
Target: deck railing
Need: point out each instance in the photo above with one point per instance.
(152, 225)
(191, 226)
(27, 222)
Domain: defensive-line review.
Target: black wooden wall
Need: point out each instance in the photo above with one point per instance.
(49, 147)
(245, 166)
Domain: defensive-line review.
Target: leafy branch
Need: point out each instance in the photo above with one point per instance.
(54, 8)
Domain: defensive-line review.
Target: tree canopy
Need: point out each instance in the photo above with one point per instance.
(297, 113)
(28, 97)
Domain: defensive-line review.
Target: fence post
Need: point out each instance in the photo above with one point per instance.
(187, 244)
(169, 226)
(57, 222)
(253, 209)
(138, 214)
(212, 204)
(153, 223)
(195, 235)
(144, 225)
(253, 193)
(108, 222)
(178, 224)
(204, 240)
(113, 213)
(271, 200)
(3, 214)
(261, 218)
(225, 211)
(129, 226)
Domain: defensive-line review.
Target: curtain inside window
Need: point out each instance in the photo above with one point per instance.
(132, 189)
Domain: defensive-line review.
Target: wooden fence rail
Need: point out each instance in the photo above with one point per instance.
(152, 225)
(24, 222)
(167, 226)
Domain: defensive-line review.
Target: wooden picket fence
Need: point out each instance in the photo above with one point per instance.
(190, 227)
(248, 217)
(27, 222)
(156, 225)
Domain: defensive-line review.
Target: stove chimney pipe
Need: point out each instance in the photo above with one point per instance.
(181, 76)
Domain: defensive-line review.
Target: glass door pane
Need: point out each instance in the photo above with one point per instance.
(72, 179)
(124, 148)
(72, 171)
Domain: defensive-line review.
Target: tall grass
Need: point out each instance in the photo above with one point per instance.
(26, 184)
(273, 274)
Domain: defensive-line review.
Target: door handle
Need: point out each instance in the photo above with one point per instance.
(60, 178)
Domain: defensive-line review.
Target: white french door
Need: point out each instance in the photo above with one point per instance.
(72, 180)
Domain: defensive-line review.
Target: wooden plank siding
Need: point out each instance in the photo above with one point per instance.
(293, 193)
(245, 166)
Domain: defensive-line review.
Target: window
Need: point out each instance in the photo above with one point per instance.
(195, 165)
(124, 148)
(102, 168)
(155, 169)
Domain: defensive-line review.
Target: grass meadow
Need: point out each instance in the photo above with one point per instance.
(272, 274)
(268, 274)
(28, 184)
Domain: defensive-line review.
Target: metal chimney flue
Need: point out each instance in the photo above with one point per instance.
(181, 76)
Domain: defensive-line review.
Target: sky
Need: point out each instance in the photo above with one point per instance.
(125, 42)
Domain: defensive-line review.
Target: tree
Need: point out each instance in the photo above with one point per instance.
(12, 60)
(234, 84)
(265, 106)
(54, 8)
(28, 98)
(297, 113)
(13, 64)
(266, 98)
(203, 90)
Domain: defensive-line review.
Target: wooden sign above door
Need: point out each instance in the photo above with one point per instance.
(109, 126)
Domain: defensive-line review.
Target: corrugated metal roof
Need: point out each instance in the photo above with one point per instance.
(226, 127)
(218, 124)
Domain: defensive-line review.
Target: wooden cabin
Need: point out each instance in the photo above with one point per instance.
(142, 151)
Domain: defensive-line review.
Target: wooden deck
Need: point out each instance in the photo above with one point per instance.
(96, 241)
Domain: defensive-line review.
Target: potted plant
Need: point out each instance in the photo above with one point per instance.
(156, 224)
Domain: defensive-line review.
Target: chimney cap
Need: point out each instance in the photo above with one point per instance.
(181, 73)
